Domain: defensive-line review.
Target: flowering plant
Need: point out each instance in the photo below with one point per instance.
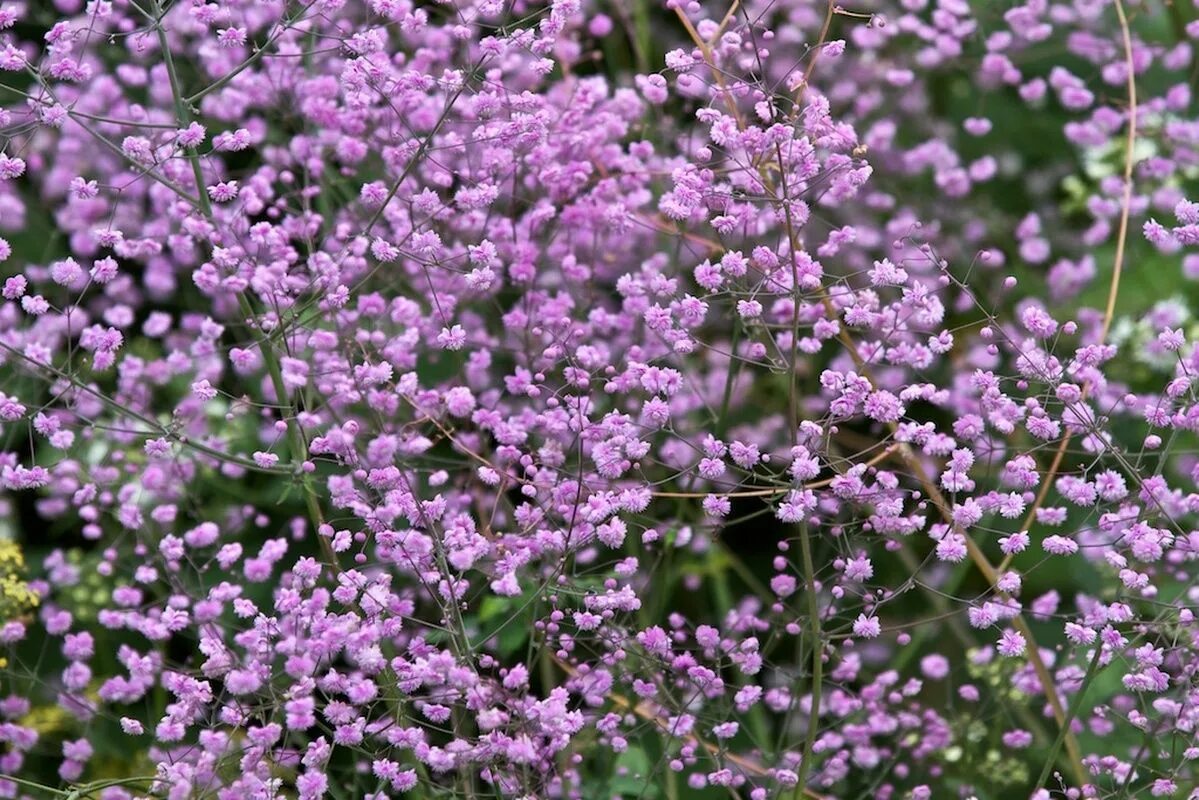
(598, 398)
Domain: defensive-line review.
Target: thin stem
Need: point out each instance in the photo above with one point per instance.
(299, 445)
(157, 429)
(182, 115)
(1113, 290)
(807, 75)
(1092, 669)
(814, 631)
(258, 53)
(647, 713)
(1126, 202)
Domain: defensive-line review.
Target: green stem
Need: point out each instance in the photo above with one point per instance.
(814, 630)
(1051, 757)
(182, 115)
(722, 423)
(297, 441)
(299, 445)
(725, 602)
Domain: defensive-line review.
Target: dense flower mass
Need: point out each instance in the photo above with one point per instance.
(599, 398)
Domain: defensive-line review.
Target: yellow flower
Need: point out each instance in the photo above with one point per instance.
(47, 719)
(16, 597)
(11, 557)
